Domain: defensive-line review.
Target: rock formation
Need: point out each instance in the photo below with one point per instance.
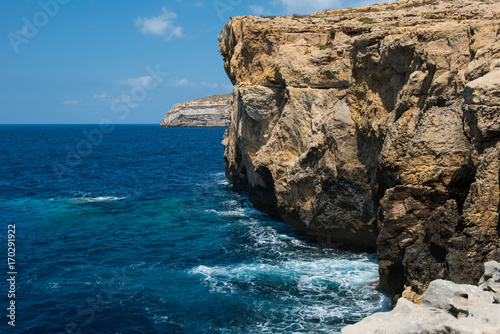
(446, 308)
(210, 111)
(377, 127)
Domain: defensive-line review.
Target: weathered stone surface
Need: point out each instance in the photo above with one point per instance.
(482, 97)
(485, 90)
(453, 298)
(398, 320)
(408, 318)
(375, 127)
(210, 111)
(491, 278)
(416, 224)
(446, 308)
(496, 298)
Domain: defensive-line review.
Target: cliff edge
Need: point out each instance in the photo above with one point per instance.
(377, 127)
(210, 111)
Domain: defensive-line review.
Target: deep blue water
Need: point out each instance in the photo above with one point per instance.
(138, 231)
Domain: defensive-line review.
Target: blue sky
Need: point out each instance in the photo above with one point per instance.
(81, 61)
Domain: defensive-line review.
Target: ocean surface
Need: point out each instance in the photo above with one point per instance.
(134, 229)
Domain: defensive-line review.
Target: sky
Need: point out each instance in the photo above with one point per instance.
(85, 61)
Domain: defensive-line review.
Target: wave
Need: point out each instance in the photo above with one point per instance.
(299, 295)
(97, 199)
(236, 212)
(308, 275)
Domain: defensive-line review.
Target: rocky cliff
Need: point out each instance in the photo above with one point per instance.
(210, 111)
(377, 127)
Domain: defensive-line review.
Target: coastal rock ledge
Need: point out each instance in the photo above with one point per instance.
(446, 308)
(376, 127)
(210, 111)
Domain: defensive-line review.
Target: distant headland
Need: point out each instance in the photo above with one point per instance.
(210, 111)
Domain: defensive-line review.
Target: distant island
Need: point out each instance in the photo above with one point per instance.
(210, 111)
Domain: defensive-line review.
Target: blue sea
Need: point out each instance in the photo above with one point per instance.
(134, 229)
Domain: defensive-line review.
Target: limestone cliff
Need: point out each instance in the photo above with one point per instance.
(377, 127)
(210, 111)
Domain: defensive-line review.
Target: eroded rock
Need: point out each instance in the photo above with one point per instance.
(446, 308)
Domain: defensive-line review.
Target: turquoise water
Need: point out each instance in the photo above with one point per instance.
(138, 231)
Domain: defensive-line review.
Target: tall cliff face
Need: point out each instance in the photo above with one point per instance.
(377, 127)
(210, 111)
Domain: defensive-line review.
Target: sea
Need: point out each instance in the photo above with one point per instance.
(135, 229)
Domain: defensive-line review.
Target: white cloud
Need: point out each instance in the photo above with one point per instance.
(126, 99)
(309, 7)
(102, 97)
(182, 82)
(161, 25)
(71, 102)
(209, 84)
(140, 81)
(200, 4)
(259, 10)
(227, 88)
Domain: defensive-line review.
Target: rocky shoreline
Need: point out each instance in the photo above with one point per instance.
(376, 127)
(446, 307)
(210, 111)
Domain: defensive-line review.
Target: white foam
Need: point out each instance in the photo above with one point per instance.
(237, 212)
(229, 203)
(55, 285)
(160, 319)
(267, 240)
(99, 199)
(224, 182)
(312, 283)
(212, 275)
(326, 290)
(315, 275)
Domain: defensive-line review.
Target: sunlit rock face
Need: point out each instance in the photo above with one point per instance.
(210, 111)
(376, 127)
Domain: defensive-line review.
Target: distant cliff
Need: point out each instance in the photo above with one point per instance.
(210, 111)
(377, 127)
